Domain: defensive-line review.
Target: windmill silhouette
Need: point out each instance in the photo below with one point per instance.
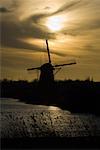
(47, 69)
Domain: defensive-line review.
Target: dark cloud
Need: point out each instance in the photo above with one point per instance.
(12, 36)
(35, 28)
(36, 18)
(12, 6)
(14, 32)
(92, 48)
(47, 7)
(67, 7)
(82, 27)
(4, 9)
(89, 24)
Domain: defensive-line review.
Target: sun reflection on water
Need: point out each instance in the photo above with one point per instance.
(53, 108)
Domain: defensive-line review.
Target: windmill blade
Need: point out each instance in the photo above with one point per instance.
(65, 64)
(48, 51)
(38, 68)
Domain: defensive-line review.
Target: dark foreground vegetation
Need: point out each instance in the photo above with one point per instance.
(51, 142)
(75, 96)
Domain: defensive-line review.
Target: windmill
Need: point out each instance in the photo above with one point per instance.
(47, 69)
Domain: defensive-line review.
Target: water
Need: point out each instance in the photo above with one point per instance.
(8, 104)
(25, 120)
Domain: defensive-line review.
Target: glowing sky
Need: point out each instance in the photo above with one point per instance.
(71, 26)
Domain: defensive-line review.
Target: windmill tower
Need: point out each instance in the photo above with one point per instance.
(47, 69)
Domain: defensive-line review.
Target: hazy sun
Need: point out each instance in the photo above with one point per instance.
(54, 23)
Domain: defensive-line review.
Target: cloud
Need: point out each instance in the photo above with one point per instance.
(13, 36)
(81, 28)
(36, 18)
(36, 29)
(67, 7)
(47, 8)
(4, 9)
(13, 32)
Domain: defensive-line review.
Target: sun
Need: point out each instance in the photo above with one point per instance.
(54, 23)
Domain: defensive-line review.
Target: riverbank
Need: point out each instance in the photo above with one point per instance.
(75, 96)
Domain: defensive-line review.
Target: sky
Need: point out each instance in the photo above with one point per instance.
(72, 28)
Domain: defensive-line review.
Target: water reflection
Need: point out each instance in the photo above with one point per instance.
(39, 120)
(8, 104)
(53, 108)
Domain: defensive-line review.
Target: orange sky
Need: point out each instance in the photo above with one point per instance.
(71, 26)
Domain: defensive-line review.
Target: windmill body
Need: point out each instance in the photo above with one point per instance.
(47, 69)
(46, 73)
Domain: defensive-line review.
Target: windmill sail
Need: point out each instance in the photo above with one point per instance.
(65, 64)
(33, 68)
(48, 51)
